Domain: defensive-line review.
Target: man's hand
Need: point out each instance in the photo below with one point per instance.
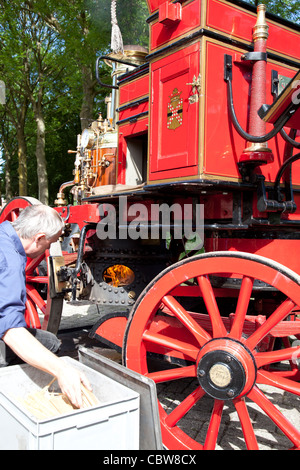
(30, 350)
(70, 380)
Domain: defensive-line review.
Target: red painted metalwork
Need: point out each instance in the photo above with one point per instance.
(174, 154)
(161, 34)
(134, 89)
(169, 13)
(228, 18)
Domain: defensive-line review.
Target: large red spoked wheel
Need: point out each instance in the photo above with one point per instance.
(37, 279)
(230, 359)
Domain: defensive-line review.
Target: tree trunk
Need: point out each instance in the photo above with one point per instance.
(7, 159)
(22, 169)
(40, 152)
(8, 190)
(88, 87)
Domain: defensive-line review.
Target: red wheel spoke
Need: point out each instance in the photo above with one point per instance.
(37, 279)
(173, 374)
(199, 333)
(242, 307)
(185, 406)
(275, 415)
(280, 313)
(246, 424)
(172, 343)
(212, 307)
(36, 298)
(214, 426)
(33, 263)
(31, 316)
(265, 358)
(265, 377)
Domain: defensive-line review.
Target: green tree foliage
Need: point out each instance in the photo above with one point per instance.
(48, 51)
(287, 9)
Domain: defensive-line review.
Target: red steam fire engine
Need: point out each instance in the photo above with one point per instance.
(202, 127)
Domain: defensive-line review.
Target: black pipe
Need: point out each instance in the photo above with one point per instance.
(282, 169)
(236, 124)
(288, 139)
(103, 57)
(240, 130)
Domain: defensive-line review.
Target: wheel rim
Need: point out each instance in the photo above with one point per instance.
(228, 365)
(37, 279)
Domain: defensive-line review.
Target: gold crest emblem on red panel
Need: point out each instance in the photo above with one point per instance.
(175, 108)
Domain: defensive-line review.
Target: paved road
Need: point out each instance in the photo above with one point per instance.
(170, 394)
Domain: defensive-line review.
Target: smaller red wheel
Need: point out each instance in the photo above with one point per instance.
(38, 300)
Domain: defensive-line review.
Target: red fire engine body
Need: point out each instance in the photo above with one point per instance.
(206, 120)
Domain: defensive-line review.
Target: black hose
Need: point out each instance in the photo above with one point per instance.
(237, 126)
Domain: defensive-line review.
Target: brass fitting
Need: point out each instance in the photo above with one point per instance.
(261, 29)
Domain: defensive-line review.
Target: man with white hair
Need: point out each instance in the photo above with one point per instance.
(31, 234)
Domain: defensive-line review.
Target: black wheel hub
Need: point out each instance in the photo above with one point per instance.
(221, 375)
